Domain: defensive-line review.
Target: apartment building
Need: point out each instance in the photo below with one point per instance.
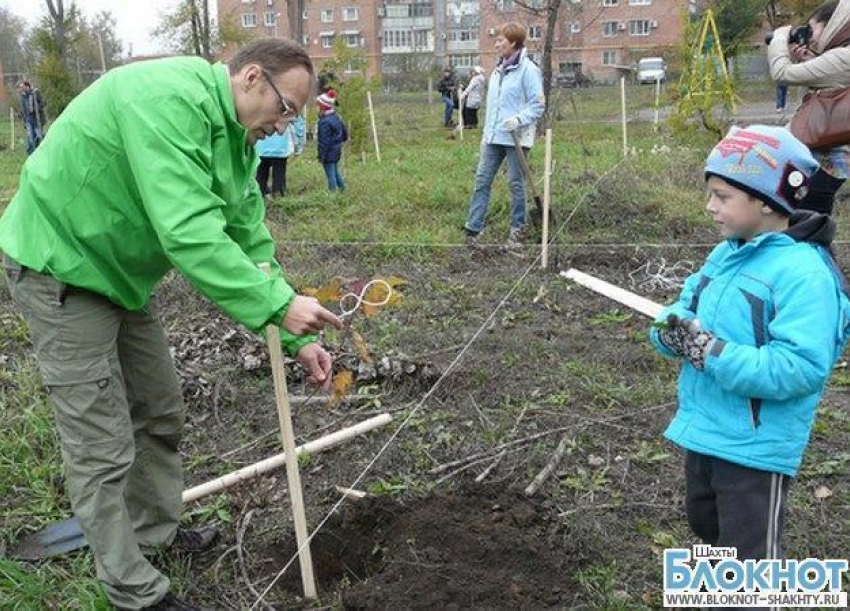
(357, 22)
(398, 37)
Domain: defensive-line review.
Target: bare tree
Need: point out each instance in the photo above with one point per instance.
(56, 11)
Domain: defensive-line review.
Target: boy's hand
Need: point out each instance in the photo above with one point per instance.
(691, 341)
(673, 335)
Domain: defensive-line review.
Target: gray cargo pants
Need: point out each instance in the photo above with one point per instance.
(119, 413)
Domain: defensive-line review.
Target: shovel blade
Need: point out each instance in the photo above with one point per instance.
(56, 539)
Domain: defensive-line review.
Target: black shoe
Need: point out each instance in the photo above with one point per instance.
(195, 541)
(172, 603)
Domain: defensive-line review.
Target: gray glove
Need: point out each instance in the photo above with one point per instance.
(685, 337)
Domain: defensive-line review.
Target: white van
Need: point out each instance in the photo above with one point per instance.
(651, 69)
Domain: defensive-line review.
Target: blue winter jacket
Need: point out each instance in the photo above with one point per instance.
(291, 141)
(516, 91)
(332, 134)
(777, 307)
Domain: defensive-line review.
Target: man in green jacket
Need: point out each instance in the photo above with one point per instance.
(151, 168)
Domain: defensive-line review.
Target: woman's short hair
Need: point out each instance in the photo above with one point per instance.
(824, 12)
(513, 32)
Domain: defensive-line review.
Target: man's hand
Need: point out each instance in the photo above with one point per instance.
(510, 124)
(305, 315)
(318, 365)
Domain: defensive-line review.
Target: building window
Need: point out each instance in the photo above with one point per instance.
(270, 19)
(575, 27)
(422, 9)
(396, 38)
(639, 27)
(249, 20)
(327, 15)
(610, 2)
(326, 40)
(640, 2)
(609, 28)
(463, 35)
(505, 6)
(397, 10)
(420, 39)
(352, 40)
(535, 32)
(463, 61)
(349, 14)
(609, 58)
(305, 40)
(305, 15)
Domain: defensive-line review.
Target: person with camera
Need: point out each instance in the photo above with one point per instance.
(817, 56)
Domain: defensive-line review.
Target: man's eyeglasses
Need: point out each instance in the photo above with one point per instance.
(287, 110)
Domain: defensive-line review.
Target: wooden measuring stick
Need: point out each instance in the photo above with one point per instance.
(293, 477)
(279, 460)
(623, 113)
(547, 192)
(460, 111)
(627, 298)
(374, 127)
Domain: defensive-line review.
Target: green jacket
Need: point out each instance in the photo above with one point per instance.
(145, 171)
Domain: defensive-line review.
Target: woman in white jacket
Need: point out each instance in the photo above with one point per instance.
(472, 96)
(822, 63)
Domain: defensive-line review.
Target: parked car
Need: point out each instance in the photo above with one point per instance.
(572, 79)
(651, 69)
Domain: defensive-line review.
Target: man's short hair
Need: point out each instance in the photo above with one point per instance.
(513, 32)
(274, 55)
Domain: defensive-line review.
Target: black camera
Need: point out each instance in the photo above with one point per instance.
(801, 35)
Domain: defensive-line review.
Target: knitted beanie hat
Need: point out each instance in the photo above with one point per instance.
(327, 100)
(766, 162)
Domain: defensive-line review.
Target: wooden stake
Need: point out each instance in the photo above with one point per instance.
(430, 90)
(547, 192)
(623, 113)
(12, 129)
(374, 127)
(279, 460)
(657, 97)
(293, 477)
(460, 111)
(627, 298)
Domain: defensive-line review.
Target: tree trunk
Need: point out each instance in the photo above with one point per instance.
(206, 43)
(553, 8)
(56, 9)
(194, 21)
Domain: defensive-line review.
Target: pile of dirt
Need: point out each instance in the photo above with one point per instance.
(481, 547)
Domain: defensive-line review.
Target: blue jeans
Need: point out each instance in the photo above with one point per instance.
(335, 180)
(449, 109)
(488, 165)
(34, 136)
(781, 95)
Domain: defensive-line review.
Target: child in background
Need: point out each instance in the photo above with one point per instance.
(760, 328)
(331, 135)
(274, 151)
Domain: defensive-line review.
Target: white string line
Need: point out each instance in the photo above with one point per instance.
(425, 398)
(481, 245)
(360, 300)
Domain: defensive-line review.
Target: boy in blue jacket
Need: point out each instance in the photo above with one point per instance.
(760, 327)
(332, 134)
